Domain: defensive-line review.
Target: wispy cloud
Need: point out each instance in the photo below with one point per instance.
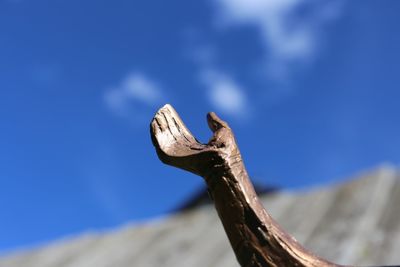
(224, 93)
(135, 93)
(140, 87)
(100, 173)
(290, 29)
(197, 47)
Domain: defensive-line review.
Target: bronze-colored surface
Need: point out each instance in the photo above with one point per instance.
(255, 237)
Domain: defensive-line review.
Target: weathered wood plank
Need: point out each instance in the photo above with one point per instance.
(255, 237)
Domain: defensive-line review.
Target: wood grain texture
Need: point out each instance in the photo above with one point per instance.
(255, 237)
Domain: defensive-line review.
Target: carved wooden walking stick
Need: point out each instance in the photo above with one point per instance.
(255, 237)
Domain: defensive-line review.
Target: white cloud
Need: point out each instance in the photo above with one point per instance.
(224, 93)
(140, 87)
(135, 93)
(288, 37)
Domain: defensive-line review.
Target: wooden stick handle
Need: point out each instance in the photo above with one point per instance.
(255, 237)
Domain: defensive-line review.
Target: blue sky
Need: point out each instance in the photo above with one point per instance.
(311, 89)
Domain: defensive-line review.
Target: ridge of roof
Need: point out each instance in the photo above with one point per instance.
(353, 222)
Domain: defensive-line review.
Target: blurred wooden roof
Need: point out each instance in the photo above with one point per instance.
(353, 223)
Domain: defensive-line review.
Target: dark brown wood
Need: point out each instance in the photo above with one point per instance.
(255, 237)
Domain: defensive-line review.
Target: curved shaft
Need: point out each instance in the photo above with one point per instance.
(255, 237)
